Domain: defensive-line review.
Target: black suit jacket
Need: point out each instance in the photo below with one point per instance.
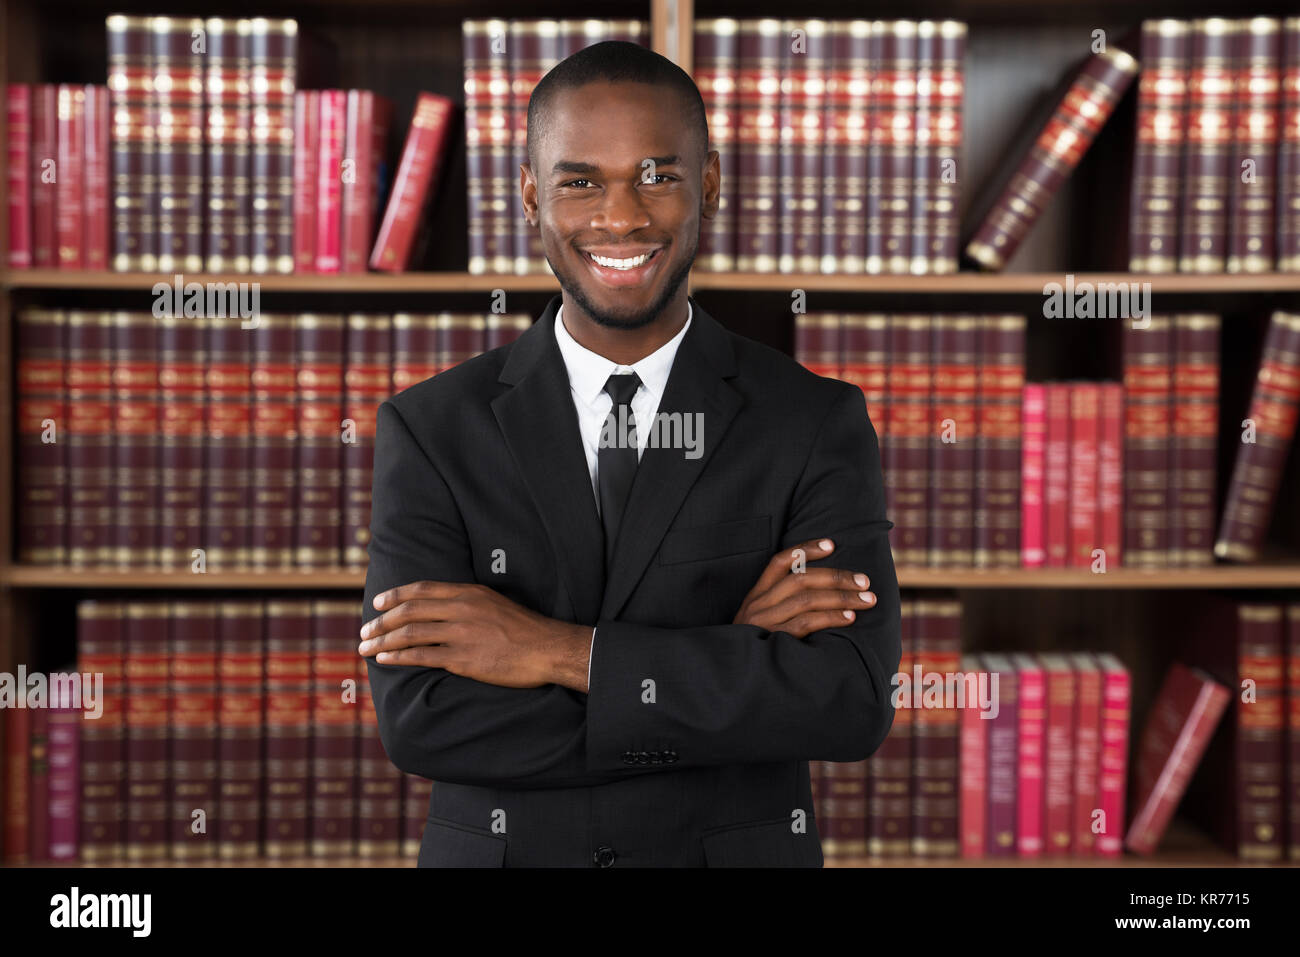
(692, 745)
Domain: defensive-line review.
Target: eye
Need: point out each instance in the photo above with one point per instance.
(666, 176)
(572, 181)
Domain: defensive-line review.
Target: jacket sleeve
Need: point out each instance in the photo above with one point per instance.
(734, 694)
(433, 723)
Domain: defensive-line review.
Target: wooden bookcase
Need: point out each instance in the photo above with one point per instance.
(1017, 51)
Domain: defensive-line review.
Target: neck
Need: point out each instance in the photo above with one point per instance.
(625, 346)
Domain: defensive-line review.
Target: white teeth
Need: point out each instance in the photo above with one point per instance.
(621, 263)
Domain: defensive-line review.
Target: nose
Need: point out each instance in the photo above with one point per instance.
(621, 212)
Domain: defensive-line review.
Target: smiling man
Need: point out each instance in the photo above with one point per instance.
(605, 650)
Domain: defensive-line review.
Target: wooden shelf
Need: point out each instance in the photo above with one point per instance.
(1214, 576)
(446, 282)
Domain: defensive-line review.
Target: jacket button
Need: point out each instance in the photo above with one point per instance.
(629, 757)
(669, 757)
(604, 856)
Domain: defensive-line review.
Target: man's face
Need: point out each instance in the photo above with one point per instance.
(618, 178)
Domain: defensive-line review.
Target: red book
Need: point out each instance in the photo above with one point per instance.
(1058, 775)
(44, 181)
(417, 178)
(17, 785)
(329, 187)
(1057, 474)
(1148, 378)
(1087, 744)
(64, 786)
(68, 193)
(955, 348)
(148, 734)
(1085, 398)
(974, 770)
(1193, 473)
(1110, 474)
(1184, 715)
(18, 118)
(1112, 761)
(42, 465)
(364, 140)
(1000, 365)
(94, 208)
(936, 733)
(1031, 765)
(306, 177)
(1033, 540)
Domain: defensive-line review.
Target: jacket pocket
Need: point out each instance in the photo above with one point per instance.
(762, 844)
(448, 844)
(716, 541)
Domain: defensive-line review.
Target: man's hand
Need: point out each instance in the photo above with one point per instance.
(801, 602)
(473, 631)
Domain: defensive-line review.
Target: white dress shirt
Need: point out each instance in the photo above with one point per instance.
(588, 373)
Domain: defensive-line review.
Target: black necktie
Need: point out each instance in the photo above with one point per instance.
(616, 458)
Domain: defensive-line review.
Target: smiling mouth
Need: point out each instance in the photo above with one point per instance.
(629, 271)
(633, 262)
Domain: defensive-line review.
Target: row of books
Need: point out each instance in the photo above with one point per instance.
(58, 175)
(1045, 774)
(1216, 165)
(503, 62)
(984, 470)
(196, 444)
(230, 730)
(838, 143)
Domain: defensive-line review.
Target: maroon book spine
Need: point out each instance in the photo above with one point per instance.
(818, 343)
(94, 207)
(331, 127)
(1148, 371)
(1252, 212)
(936, 734)
(178, 137)
(17, 785)
(865, 338)
(1003, 759)
(907, 452)
(1085, 407)
(844, 148)
(182, 356)
(288, 728)
(799, 159)
(1288, 151)
(275, 443)
(193, 706)
(320, 439)
(148, 721)
(1208, 164)
(137, 428)
(889, 790)
(715, 75)
(334, 724)
(1195, 439)
(38, 788)
(88, 378)
(415, 801)
(947, 132)
(535, 48)
(227, 452)
(482, 68)
(379, 798)
(504, 329)
(1056, 151)
(1156, 195)
(229, 126)
(365, 139)
(1110, 472)
(18, 122)
(954, 441)
(761, 45)
(1000, 380)
(69, 192)
(415, 349)
(306, 177)
(843, 795)
(64, 790)
(896, 81)
(130, 84)
(273, 61)
(101, 642)
(368, 381)
(416, 181)
(1257, 472)
(460, 337)
(240, 728)
(42, 453)
(1291, 758)
(45, 159)
(925, 159)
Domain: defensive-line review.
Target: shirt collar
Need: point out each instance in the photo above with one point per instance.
(589, 371)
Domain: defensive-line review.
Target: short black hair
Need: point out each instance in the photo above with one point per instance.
(614, 61)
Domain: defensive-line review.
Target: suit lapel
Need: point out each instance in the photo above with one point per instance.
(705, 359)
(540, 426)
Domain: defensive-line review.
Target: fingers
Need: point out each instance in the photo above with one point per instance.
(411, 635)
(815, 579)
(424, 589)
(782, 563)
(422, 657)
(835, 600)
(801, 626)
(411, 610)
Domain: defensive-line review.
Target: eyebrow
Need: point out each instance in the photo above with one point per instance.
(573, 166)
